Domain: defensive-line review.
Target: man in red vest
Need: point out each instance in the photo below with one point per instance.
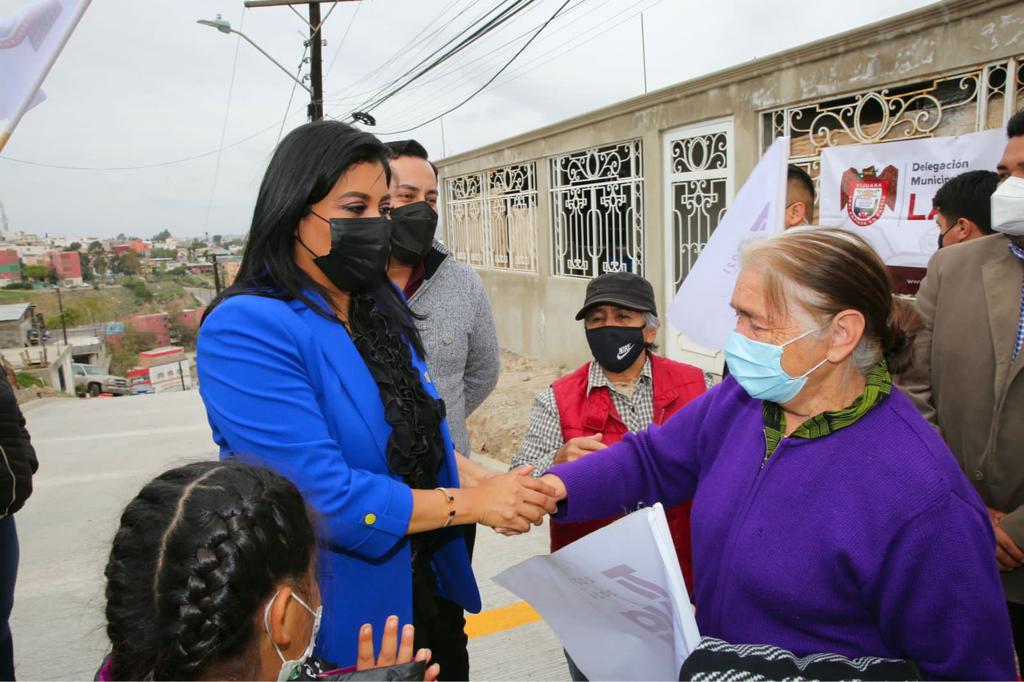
(626, 389)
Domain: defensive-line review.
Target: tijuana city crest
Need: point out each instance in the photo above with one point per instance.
(865, 194)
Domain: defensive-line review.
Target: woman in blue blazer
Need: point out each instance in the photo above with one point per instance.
(311, 364)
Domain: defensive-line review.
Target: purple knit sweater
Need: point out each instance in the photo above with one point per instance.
(867, 542)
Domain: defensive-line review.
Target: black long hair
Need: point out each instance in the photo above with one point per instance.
(304, 168)
(198, 550)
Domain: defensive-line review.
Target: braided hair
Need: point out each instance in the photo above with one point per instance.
(197, 551)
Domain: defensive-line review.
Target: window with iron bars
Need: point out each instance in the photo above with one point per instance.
(964, 101)
(491, 218)
(597, 217)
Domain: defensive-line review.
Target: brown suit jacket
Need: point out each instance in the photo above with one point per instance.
(964, 381)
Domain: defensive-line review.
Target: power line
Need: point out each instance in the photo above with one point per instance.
(526, 68)
(224, 127)
(480, 67)
(477, 66)
(404, 51)
(491, 80)
(147, 166)
(539, 60)
(348, 28)
(295, 84)
(503, 15)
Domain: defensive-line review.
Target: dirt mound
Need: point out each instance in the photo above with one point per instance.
(498, 426)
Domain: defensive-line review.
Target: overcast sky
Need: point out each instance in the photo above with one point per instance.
(140, 83)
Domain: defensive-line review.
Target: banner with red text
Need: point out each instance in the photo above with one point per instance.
(884, 191)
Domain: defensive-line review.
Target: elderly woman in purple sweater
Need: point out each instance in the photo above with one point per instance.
(828, 516)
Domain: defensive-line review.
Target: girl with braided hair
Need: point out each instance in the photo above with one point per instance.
(311, 364)
(211, 576)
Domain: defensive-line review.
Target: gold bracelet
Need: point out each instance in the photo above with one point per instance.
(451, 504)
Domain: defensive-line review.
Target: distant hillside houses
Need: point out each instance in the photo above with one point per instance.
(69, 261)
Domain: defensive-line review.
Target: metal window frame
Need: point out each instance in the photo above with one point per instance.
(474, 193)
(593, 168)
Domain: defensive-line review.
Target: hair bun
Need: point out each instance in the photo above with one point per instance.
(902, 327)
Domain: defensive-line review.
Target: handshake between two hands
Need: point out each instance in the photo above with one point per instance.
(515, 500)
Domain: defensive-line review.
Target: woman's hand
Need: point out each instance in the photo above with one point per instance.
(471, 474)
(513, 500)
(556, 485)
(392, 651)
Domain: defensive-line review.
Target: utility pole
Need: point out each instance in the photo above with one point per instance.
(315, 45)
(216, 273)
(316, 42)
(63, 321)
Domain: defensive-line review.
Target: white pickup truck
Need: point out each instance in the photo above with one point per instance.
(95, 380)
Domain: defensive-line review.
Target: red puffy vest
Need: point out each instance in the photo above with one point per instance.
(674, 384)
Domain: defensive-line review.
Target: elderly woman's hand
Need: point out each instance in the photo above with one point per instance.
(559, 494)
(513, 500)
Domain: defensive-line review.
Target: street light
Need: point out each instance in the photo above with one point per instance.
(224, 26)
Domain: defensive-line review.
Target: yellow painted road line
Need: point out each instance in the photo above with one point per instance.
(500, 619)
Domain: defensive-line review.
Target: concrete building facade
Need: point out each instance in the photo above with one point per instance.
(641, 185)
(68, 267)
(10, 266)
(157, 324)
(15, 321)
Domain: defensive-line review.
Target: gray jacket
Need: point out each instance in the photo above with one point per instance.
(459, 337)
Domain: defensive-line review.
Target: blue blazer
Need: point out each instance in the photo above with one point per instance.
(286, 388)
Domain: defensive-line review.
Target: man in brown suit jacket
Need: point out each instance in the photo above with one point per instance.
(969, 380)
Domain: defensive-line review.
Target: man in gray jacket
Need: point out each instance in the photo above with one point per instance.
(968, 378)
(457, 326)
(458, 333)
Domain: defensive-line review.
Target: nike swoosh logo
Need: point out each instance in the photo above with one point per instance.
(624, 351)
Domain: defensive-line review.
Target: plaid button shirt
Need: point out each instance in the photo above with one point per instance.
(544, 437)
(1019, 340)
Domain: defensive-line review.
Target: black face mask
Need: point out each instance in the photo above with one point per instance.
(412, 232)
(358, 259)
(616, 348)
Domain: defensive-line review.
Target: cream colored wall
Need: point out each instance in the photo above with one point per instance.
(534, 312)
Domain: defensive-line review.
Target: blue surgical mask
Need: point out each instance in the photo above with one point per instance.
(757, 367)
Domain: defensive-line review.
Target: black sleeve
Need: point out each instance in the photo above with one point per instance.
(17, 456)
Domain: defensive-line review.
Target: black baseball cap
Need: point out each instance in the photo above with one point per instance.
(623, 289)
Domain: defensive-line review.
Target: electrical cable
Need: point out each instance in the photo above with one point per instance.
(476, 65)
(533, 65)
(526, 68)
(404, 51)
(478, 68)
(506, 13)
(224, 127)
(295, 84)
(491, 80)
(348, 28)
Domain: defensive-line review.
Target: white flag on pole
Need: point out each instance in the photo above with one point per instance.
(701, 307)
(616, 599)
(30, 42)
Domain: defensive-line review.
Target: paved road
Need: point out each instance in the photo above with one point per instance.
(204, 296)
(94, 457)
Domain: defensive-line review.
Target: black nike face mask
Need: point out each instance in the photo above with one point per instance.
(412, 232)
(360, 248)
(616, 348)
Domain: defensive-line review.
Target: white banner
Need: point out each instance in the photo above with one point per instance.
(884, 191)
(30, 42)
(615, 599)
(701, 307)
